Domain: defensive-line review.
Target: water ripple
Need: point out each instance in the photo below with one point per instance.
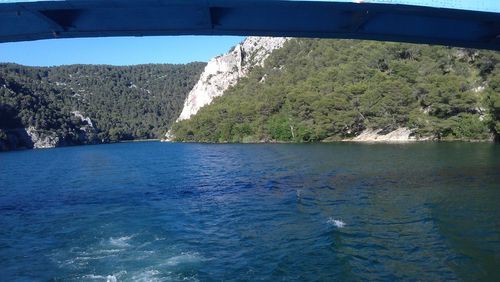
(194, 212)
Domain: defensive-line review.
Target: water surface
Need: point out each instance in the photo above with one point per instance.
(193, 212)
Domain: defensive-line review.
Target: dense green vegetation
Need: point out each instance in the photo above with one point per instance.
(122, 102)
(315, 89)
(310, 90)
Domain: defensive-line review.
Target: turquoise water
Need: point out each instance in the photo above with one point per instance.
(193, 212)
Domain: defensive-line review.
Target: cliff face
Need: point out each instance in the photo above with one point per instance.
(28, 138)
(41, 139)
(34, 138)
(375, 135)
(224, 71)
(31, 137)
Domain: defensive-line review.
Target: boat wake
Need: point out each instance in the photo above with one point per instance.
(120, 242)
(336, 222)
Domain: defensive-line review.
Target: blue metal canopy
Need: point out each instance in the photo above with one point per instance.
(388, 22)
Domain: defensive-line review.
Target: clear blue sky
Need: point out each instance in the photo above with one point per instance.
(179, 49)
(117, 50)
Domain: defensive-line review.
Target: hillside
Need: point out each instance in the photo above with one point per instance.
(81, 104)
(321, 90)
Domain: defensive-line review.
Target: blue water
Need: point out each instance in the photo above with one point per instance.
(193, 212)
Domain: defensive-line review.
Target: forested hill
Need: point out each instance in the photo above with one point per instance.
(317, 89)
(81, 104)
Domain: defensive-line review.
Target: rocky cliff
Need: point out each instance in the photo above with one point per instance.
(224, 71)
(34, 138)
(42, 139)
(376, 135)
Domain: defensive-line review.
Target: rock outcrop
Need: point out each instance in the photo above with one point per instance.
(224, 71)
(35, 138)
(28, 138)
(88, 133)
(42, 139)
(375, 135)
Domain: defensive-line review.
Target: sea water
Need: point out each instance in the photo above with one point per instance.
(277, 212)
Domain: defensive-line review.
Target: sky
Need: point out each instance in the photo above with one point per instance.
(159, 49)
(117, 50)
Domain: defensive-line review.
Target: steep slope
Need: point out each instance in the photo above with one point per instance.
(320, 90)
(224, 71)
(81, 104)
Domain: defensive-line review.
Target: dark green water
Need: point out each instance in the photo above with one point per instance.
(192, 212)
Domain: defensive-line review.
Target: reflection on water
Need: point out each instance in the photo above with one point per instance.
(169, 212)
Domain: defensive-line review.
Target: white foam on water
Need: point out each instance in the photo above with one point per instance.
(183, 258)
(180, 277)
(139, 255)
(82, 258)
(147, 276)
(106, 252)
(298, 192)
(97, 252)
(107, 278)
(120, 242)
(95, 277)
(336, 222)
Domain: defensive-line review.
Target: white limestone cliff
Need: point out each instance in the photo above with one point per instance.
(83, 119)
(399, 135)
(224, 71)
(42, 139)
